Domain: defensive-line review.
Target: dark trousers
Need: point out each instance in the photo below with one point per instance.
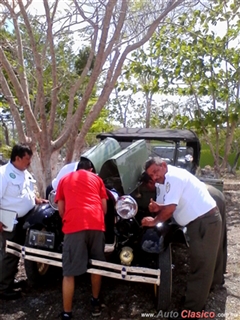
(221, 264)
(8, 261)
(204, 237)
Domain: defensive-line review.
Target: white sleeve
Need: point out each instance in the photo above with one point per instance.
(3, 184)
(70, 167)
(60, 174)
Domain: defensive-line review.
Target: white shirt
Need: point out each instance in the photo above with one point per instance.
(16, 190)
(70, 167)
(159, 192)
(188, 193)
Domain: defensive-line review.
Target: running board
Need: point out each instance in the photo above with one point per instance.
(107, 269)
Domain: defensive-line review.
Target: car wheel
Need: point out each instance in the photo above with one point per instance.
(163, 292)
(35, 271)
(38, 272)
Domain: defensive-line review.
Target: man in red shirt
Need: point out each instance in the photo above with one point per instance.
(82, 203)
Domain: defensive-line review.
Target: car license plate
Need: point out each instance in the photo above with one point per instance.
(42, 239)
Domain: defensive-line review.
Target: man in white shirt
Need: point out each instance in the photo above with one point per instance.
(16, 194)
(188, 201)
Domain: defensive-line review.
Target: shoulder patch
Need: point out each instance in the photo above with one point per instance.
(168, 187)
(12, 175)
(158, 191)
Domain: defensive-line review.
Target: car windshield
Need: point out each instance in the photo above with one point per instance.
(164, 150)
(169, 151)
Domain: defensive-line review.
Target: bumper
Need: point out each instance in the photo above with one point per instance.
(107, 269)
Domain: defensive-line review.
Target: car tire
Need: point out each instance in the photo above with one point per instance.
(163, 292)
(38, 273)
(35, 272)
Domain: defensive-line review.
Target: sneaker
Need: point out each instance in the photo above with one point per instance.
(96, 307)
(10, 295)
(65, 316)
(19, 284)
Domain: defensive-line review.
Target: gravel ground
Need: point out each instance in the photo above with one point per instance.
(129, 300)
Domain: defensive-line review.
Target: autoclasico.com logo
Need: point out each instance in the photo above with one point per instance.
(187, 314)
(200, 314)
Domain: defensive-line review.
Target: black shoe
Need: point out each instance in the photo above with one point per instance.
(96, 307)
(10, 295)
(216, 287)
(19, 284)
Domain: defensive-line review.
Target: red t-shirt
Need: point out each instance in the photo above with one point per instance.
(82, 192)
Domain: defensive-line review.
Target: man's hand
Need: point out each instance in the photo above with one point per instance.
(40, 201)
(148, 222)
(153, 206)
(2, 226)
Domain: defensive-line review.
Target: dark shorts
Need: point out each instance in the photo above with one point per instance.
(78, 248)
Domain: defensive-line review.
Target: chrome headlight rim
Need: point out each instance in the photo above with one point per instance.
(126, 207)
(51, 198)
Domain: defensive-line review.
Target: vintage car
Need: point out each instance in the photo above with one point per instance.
(119, 160)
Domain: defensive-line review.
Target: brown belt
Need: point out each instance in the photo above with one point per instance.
(210, 212)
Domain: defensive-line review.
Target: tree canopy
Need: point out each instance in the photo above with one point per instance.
(38, 77)
(199, 65)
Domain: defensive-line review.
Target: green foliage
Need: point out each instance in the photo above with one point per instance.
(81, 60)
(199, 64)
(194, 59)
(191, 59)
(5, 150)
(188, 59)
(102, 123)
(207, 157)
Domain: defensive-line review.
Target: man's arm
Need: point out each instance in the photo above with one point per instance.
(3, 187)
(2, 226)
(164, 214)
(104, 205)
(61, 207)
(155, 206)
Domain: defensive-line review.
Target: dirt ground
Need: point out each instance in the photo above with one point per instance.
(129, 300)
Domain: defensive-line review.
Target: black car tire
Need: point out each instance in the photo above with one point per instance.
(33, 273)
(163, 292)
(39, 273)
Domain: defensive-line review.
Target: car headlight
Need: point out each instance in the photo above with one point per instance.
(51, 198)
(126, 256)
(126, 207)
